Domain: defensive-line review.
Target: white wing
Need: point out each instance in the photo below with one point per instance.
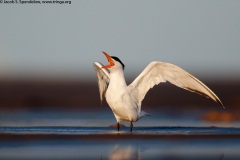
(157, 72)
(103, 78)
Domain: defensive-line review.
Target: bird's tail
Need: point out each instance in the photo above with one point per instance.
(143, 114)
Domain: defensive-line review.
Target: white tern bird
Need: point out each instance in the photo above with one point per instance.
(125, 100)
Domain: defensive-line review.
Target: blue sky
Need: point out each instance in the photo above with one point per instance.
(63, 40)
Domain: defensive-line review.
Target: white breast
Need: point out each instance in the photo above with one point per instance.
(119, 99)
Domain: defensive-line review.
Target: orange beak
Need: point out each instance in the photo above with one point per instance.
(110, 61)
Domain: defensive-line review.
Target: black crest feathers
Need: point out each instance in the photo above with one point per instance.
(117, 59)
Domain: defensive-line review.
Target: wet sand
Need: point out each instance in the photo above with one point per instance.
(114, 135)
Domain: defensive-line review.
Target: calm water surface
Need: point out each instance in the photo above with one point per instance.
(86, 135)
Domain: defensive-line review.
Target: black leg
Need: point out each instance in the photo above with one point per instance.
(118, 126)
(131, 127)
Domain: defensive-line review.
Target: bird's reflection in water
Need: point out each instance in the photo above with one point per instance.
(125, 152)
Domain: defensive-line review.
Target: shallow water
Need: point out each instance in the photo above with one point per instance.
(86, 135)
(109, 130)
(105, 118)
(106, 143)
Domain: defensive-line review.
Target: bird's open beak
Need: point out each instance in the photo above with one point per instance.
(110, 61)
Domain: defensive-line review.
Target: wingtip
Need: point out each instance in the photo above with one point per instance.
(223, 107)
(219, 102)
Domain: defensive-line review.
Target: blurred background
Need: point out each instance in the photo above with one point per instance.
(47, 52)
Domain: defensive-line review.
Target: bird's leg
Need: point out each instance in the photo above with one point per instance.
(118, 126)
(131, 126)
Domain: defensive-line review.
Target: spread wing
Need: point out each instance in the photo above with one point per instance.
(103, 78)
(157, 72)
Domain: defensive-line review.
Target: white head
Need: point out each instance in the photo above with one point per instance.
(114, 63)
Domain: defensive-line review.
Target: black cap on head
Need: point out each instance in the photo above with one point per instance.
(117, 59)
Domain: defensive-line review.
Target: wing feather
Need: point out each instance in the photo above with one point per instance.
(103, 78)
(158, 72)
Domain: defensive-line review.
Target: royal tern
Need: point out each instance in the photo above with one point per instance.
(125, 100)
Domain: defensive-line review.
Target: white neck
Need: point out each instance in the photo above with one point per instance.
(117, 79)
